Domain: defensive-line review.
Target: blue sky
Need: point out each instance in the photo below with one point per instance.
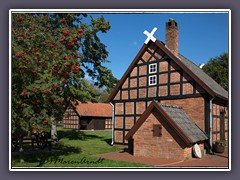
(201, 36)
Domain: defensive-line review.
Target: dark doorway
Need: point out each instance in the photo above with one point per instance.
(99, 124)
(92, 124)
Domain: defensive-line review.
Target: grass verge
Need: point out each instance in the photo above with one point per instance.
(74, 149)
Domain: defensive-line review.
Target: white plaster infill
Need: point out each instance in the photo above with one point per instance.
(150, 35)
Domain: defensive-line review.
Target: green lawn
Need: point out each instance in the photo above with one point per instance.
(75, 149)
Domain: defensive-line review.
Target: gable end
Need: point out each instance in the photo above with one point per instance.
(156, 52)
(178, 120)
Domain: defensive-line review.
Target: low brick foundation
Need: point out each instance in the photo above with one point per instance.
(168, 146)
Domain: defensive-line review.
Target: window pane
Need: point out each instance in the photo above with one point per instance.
(152, 80)
(152, 68)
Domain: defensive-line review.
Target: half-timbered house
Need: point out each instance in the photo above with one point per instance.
(88, 116)
(160, 74)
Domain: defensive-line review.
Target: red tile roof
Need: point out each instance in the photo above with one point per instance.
(94, 109)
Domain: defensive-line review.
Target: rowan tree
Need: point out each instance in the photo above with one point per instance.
(51, 55)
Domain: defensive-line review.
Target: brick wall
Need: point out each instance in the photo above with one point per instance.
(70, 119)
(194, 107)
(216, 109)
(171, 81)
(108, 123)
(135, 87)
(169, 145)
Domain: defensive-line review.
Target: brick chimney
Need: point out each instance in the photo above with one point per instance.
(172, 36)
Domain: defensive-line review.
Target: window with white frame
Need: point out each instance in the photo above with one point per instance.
(152, 68)
(152, 80)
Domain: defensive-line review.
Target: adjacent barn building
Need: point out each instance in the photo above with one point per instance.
(164, 103)
(88, 116)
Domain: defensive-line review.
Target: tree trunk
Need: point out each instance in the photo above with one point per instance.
(54, 129)
(21, 151)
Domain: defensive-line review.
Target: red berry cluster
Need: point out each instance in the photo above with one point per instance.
(65, 32)
(22, 67)
(67, 57)
(24, 94)
(61, 72)
(28, 116)
(45, 91)
(64, 80)
(45, 121)
(54, 70)
(75, 69)
(26, 59)
(57, 101)
(61, 40)
(20, 19)
(80, 32)
(18, 55)
(63, 21)
(34, 72)
(68, 64)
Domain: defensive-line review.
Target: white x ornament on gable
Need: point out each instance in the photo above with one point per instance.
(150, 35)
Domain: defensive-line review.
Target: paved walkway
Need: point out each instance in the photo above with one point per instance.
(209, 161)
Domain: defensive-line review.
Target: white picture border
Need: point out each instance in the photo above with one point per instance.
(101, 11)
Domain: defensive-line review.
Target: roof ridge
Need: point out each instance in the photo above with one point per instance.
(171, 106)
(168, 105)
